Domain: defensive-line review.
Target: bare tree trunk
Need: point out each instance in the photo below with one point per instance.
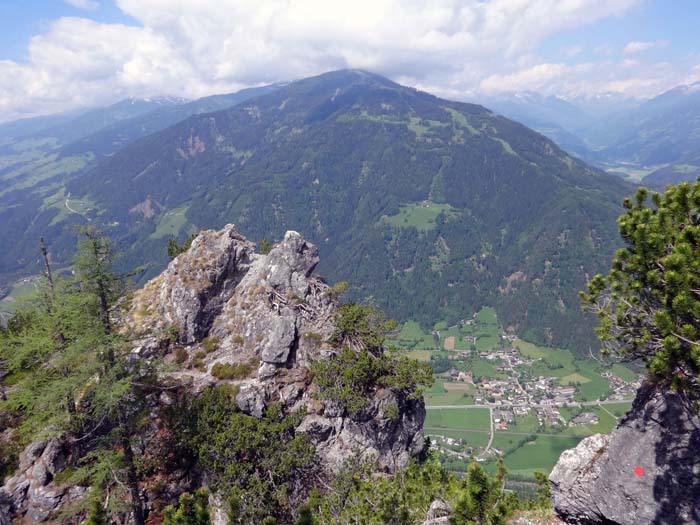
(132, 482)
(49, 276)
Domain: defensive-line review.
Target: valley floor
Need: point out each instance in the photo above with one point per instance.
(498, 396)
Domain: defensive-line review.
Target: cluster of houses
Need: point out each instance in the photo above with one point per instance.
(585, 418)
(621, 388)
(503, 418)
(549, 415)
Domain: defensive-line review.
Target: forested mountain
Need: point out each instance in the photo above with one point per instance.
(433, 208)
(28, 126)
(111, 138)
(663, 130)
(657, 139)
(34, 169)
(554, 117)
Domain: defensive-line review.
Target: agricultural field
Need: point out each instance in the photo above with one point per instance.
(458, 419)
(476, 363)
(18, 292)
(541, 455)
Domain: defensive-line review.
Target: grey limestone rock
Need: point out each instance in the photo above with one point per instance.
(646, 472)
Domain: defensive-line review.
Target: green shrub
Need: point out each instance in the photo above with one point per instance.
(392, 411)
(351, 376)
(362, 365)
(253, 463)
(228, 371)
(173, 333)
(174, 249)
(192, 509)
(338, 289)
(210, 344)
(180, 355)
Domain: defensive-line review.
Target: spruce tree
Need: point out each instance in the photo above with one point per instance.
(72, 373)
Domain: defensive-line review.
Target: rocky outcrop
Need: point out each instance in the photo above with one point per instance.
(269, 313)
(225, 314)
(438, 514)
(647, 471)
(31, 496)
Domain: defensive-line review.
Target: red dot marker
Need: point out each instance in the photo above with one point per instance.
(638, 471)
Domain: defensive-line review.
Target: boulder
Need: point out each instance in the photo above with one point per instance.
(438, 514)
(251, 400)
(646, 471)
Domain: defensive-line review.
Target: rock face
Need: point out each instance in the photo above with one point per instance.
(219, 306)
(646, 472)
(30, 496)
(270, 313)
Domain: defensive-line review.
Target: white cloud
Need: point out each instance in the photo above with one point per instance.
(193, 48)
(83, 4)
(535, 78)
(639, 47)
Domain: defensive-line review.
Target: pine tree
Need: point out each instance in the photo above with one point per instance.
(265, 246)
(482, 500)
(73, 374)
(649, 303)
(97, 513)
(192, 509)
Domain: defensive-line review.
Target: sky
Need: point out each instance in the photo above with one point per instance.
(58, 55)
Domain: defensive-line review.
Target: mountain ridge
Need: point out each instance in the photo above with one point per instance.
(339, 156)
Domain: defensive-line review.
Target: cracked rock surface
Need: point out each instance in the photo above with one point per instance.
(270, 312)
(647, 471)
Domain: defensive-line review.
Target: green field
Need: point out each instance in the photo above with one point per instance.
(437, 395)
(61, 202)
(623, 372)
(171, 222)
(619, 409)
(482, 367)
(525, 424)
(413, 337)
(18, 292)
(473, 438)
(605, 422)
(420, 215)
(458, 418)
(538, 455)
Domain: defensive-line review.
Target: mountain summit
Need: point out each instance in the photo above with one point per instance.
(433, 208)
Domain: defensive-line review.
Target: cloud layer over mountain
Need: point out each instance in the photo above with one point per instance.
(192, 48)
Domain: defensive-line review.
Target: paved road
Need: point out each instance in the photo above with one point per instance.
(488, 446)
(577, 404)
(608, 411)
(437, 430)
(68, 206)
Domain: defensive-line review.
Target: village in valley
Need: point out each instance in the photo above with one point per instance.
(498, 396)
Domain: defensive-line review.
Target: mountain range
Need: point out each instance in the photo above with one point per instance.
(654, 141)
(430, 208)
